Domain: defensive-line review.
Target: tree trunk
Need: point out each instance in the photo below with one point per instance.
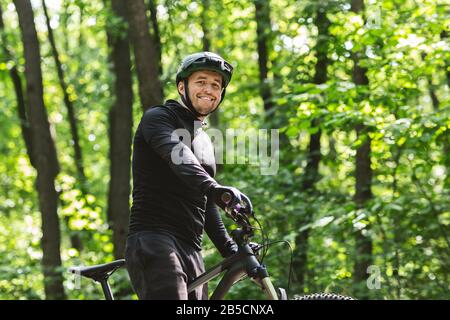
(120, 136)
(313, 158)
(300, 260)
(145, 54)
(18, 88)
(263, 30)
(69, 105)
(320, 77)
(156, 35)
(363, 176)
(363, 193)
(44, 154)
(78, 157)
(446, 138)
(206, 41)
(444, 36)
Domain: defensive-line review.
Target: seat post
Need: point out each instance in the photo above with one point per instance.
(106, 289)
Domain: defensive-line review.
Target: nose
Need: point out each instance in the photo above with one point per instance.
(208, 88)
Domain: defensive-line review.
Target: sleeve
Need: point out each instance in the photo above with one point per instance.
(217, 232)
(159, 130)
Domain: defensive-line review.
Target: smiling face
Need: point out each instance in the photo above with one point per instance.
(205, 90)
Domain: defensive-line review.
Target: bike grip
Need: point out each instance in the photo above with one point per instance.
(226, 197)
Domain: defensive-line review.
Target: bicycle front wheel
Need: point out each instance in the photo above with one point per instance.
(322, 296)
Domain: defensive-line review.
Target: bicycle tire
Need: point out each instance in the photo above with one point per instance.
(322, 296)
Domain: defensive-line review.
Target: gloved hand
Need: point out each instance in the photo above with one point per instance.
(230, 248)
(229, 197)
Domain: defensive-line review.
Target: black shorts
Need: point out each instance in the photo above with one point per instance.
(160, 266)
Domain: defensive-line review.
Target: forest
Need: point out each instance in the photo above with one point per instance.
(357, 201)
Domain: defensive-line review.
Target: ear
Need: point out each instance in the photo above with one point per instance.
(180, 88)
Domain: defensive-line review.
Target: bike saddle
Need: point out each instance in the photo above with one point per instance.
(98, 272)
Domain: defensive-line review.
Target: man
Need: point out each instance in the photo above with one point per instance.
(174, 193)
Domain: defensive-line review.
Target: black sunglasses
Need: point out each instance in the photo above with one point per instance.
(222, 64)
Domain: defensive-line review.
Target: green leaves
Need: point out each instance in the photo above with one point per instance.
(403, 45)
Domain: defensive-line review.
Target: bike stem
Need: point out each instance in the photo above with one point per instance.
(254, 268)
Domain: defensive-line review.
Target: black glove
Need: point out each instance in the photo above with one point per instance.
(230, 197)
(230, 249)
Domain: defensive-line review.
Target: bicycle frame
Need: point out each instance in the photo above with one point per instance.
(241, 264)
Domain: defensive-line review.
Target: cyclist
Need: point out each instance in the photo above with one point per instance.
(174, 192)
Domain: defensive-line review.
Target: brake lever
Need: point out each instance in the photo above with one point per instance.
(233, 212)
(248, 208)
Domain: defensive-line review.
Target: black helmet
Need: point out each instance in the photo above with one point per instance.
(205, 61)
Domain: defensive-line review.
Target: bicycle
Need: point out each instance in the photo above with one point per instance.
(246, 262)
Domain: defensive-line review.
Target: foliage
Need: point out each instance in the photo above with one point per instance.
(405, 108)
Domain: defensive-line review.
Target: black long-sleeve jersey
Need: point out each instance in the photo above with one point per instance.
(173, 168)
